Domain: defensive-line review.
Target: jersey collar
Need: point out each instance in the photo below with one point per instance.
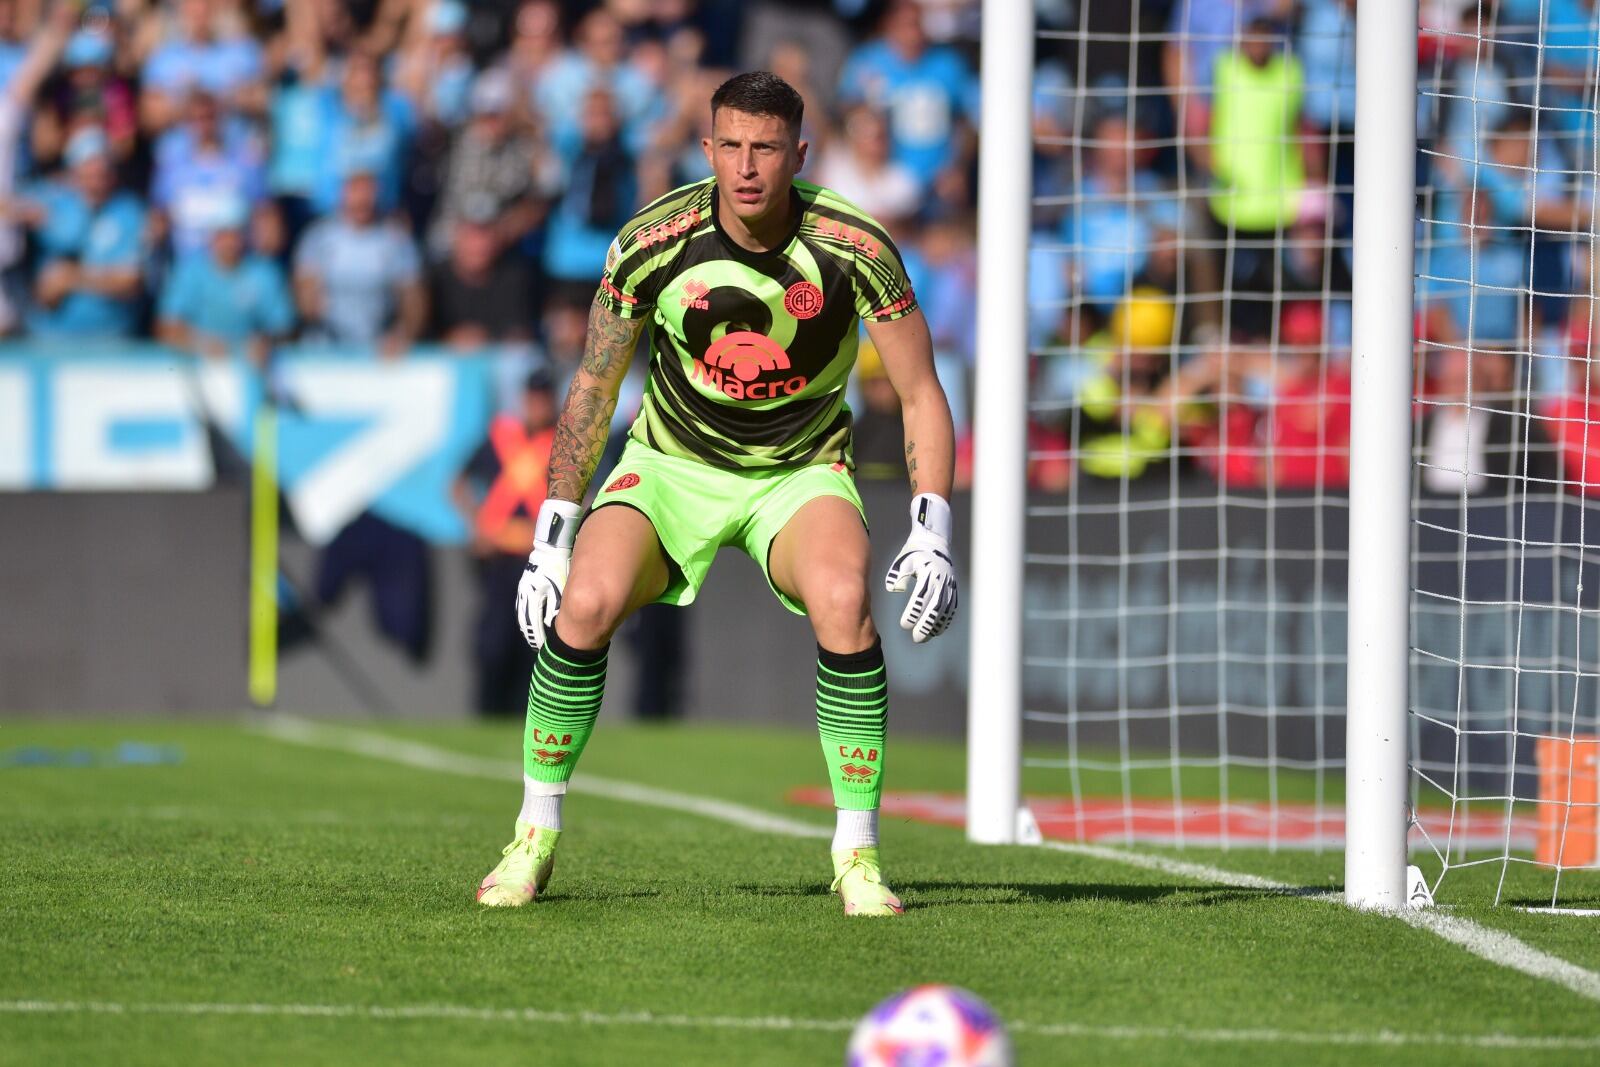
(739, 251)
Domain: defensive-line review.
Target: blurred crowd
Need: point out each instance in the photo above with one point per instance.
(231, 175)
(1191, 265)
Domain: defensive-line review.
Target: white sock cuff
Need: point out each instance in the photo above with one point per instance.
(541, 803)
(855, 829)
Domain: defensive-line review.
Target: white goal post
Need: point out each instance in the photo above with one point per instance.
(999, 491)
(1378, 642)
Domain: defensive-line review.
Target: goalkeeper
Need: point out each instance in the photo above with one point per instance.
(753, 286)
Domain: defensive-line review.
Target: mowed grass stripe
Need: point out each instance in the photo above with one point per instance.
(406, 1012)
(668, 911)
(432, 758)
(1494, 946)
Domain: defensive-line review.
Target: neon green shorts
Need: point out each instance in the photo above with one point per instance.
(696, 509)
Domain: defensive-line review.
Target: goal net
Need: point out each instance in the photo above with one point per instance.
(1505, 687)
(1189, 419)
(1189, 402)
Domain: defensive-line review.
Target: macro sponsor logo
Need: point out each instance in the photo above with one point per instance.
(857, 773)
(855, 235)
(802, 300)
(694, 295)
(745, 365)
(627, 481)
(546, 758)
(869, 754)
(671, 228)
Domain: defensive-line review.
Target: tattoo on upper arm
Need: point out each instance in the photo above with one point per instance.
(591, 401)
(610, 343)
(911, 464)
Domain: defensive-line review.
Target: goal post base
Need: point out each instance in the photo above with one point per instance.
(1023, 830)
(1418, 895)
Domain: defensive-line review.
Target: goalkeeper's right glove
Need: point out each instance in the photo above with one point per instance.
(925, 568)
(545, 575)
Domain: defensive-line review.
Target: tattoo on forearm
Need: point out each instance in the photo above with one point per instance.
(911, 464)
(580, 439)
(586, 420)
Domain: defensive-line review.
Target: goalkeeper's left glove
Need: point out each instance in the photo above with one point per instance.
(924, 566)
(545, 574)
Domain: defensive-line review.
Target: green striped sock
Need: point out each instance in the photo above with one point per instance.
(853, 717)
(563, 701)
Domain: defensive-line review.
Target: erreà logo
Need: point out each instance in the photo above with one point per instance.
(857, 772)
(746, 365)
(694, 295)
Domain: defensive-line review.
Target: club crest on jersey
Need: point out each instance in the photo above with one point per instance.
(802, 300)
(667, 230)
(745, 365)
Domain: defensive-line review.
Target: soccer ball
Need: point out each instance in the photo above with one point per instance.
(930, 1026)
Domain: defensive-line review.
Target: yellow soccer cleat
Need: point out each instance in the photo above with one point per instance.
(859, 883)
(525, 869)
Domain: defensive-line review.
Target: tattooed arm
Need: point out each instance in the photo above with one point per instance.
(907, 352)
(586, 420)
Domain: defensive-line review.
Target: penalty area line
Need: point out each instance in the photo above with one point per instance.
(465, 1013)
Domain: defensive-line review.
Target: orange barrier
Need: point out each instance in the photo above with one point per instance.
(1569, 801)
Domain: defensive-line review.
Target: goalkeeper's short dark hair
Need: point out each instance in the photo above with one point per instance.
(760, 92)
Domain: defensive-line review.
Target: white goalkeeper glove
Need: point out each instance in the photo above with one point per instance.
(545, 575)
(925, 567)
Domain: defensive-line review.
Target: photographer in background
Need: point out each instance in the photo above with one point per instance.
(493, 494)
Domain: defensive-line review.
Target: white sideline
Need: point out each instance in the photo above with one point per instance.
(428, 757)
(1485, 942)
(1588, 913)
(407, 1012)
(1495, 946)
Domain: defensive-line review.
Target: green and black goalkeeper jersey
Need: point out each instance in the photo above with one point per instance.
(750, 351)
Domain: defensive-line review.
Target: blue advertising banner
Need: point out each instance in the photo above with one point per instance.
(355, 433)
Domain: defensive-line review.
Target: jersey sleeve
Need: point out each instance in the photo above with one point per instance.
(640, 260)
(883, 289)
(631, 281)
(619, 293)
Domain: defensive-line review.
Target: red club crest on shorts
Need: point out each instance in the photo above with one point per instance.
(627, 481)
(802, 300)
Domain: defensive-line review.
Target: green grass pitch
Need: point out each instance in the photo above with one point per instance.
(316, 907)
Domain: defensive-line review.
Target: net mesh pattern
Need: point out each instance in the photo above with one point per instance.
(1189, 425)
